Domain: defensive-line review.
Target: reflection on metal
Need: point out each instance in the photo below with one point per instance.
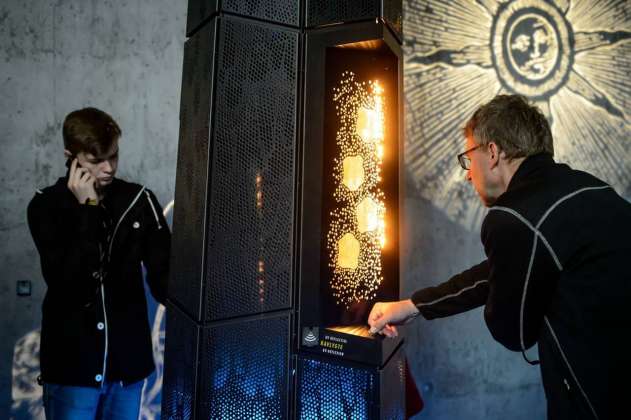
(329, 391)
(571, 58)
(359, 330)
(357, 228)
(27, 394)
(152, 390)
(260, 266)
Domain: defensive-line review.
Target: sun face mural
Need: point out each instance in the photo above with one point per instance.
(571, 58)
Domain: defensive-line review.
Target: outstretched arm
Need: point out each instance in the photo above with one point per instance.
(464, 291)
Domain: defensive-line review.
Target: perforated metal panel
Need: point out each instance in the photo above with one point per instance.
(281, 11)
(198, 11)
(393, 15)
(324, 12)
(178, 393)
(251, 195)
(332, 391)
(189, 211)
(244, 370)
(393, 388)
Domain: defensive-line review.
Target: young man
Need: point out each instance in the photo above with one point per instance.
(556, 274)
(93, 231)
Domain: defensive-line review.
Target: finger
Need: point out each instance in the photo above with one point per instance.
(85, 175)
(81, 177)
(378, 325)
(376, 312)
(374, 316)
(89, 180)
(79, 174)
(389, 331)
(73, 169)
(386, 331)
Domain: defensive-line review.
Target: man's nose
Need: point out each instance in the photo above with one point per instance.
(467, 175)
(107, 166)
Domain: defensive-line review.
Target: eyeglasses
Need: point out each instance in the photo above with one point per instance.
(464, 160)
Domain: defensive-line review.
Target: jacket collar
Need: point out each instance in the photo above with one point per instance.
(528, 167)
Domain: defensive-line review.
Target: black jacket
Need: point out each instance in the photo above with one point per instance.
(558, 244)
(94, 314)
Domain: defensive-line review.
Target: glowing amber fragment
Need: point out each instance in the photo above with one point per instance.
(369, 124)
(353, 176)
(367, 212)
(348, 252)
(356, 233)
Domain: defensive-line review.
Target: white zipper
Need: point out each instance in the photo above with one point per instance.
(109, 253)
(155, 214)
(106, 342)
(578, 384)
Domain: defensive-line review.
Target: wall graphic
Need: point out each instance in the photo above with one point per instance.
(572, 58)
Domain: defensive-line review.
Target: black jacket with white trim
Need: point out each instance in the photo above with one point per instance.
(558, 244)
(95, 326)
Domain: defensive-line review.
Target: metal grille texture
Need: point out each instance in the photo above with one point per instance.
(185, 285)
(178, 393)
(393, 388)
(393, 15)
(331, 391)
(198, 11)
(244, 370)
(252, 183)
(325, 12)
(279, 11)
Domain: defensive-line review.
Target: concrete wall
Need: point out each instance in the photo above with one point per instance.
(125, 57)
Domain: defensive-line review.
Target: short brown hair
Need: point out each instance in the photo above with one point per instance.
(90, 130)
(518, 128)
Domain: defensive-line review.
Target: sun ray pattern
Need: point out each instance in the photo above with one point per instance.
(599, 15)
(447, 25)
(608, 69)
(571, 58)
(583, 139)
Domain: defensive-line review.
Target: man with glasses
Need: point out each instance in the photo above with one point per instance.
(556, 273)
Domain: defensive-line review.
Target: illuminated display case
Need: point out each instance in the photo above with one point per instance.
(350, 195)
(287, 214)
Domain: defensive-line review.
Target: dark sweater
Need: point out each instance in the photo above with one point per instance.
(95, 326)
(558, 244)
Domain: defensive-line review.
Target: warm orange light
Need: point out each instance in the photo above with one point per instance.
(367, 215)
(356, 234)
(353, 176)
(382, 231)
(259, 192)
(348, 252)
(369, 125)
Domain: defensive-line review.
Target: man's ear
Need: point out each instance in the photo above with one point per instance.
(494, 154)
(67, 154)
